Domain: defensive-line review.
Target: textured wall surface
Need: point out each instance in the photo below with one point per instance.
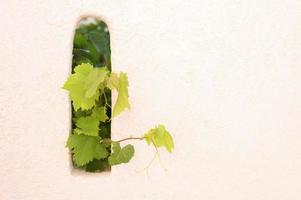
(224, 76)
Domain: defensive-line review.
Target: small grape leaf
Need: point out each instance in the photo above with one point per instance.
(86, 148)
(83, 85)
(89, 125)
(122, 100)
(100, 113)
(160, 137)
(121, 155)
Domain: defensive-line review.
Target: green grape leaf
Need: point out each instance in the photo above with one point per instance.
(121, 155)
(122, 100)
(100, 113)
(113, 81)
(86, 148)
(160, 137)
(87, 126)
(84, 84)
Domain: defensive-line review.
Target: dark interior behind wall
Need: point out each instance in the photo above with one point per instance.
(91, 44)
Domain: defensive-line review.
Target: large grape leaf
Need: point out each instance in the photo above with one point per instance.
(121, 155)
(160, 137)
(83, 85)
(86, 148)
(123, 98)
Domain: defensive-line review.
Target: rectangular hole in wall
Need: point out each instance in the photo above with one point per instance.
(91, 44)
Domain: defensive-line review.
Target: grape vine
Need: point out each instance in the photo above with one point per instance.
(86, 85)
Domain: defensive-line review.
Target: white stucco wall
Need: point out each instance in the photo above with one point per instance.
(224, 76)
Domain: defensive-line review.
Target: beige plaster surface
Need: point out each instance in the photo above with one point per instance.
(223, 75)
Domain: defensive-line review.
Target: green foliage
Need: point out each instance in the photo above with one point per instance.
(85, 142)
(123, 98)
(113, 81)
(121, 155)
(87, 126)
(100, 113)
(89, 87)
(92, 44)
(86, 148)
(84, 85)
(160, 137)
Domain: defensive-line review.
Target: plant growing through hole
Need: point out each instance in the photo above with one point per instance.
(86, 87)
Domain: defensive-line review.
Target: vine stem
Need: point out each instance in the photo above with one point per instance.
(157, 153)
(106, 101)
(131, 138)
